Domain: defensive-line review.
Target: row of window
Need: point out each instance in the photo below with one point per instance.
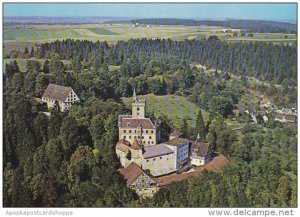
(183, 155)
(157, 158)
(137, 131)
(49, 100)
(129, 137)
(137, 137)
(144, 142)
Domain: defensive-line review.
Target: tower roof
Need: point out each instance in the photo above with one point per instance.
(135, 145)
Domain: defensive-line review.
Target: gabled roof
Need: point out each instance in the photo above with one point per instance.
(176, 141)
(57, 92)
(200, 148)
(129, 122)
(131, 173)
(156, 150)
(214, 165)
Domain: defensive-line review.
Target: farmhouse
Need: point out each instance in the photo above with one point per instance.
(65, 96)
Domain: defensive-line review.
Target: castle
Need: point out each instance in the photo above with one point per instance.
(148, 164)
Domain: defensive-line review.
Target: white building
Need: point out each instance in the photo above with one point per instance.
(158, 159)
(180, 147)
(200, 153)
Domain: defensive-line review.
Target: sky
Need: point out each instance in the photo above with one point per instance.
(260, 11)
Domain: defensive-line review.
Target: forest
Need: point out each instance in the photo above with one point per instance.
(68, 159)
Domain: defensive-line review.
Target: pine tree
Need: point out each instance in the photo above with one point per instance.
(200, 126)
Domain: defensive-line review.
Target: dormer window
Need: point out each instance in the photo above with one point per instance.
(128, 124)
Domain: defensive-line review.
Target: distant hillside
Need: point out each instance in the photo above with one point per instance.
(249, 25)
(59, 20)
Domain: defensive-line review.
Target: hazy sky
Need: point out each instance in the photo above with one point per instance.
(279, 11)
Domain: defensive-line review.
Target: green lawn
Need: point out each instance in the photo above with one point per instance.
(176, 108)
(39, 35)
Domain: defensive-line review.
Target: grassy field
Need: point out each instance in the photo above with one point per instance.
(40, 33)
(176, 108)
(102, 31)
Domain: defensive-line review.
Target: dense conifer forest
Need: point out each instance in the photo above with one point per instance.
(68, 159)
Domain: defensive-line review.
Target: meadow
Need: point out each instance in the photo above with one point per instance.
(17, 37)
(175, 108)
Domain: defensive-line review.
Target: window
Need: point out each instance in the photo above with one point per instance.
(153, 159)
(148, 142)
(149, 137)
(138, 137)
(138, 109)
(147, 160)
(151, 131)
(124, 131)
(129, 131)
(160, 157)
(138, 114)
(124, 137)
(129, 137)
(142, 137)
(146, 131)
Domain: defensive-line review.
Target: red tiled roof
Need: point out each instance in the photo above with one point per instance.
(57, 92)
(200, 148)
(214, 165)
(131, 173)
(176, 141)
(156, 150)
(145, 123)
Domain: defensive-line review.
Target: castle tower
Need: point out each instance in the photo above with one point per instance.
(136, 152)
(138, 107)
